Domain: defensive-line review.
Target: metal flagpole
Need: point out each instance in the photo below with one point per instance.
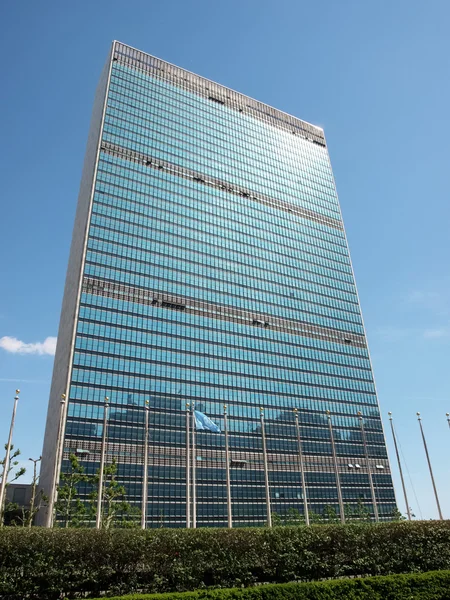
(7, 458)
(145, 474)
(369, 470)
(429, 466)
(227, 467)
(102, 466)
(336, 470)
(266, 472)
(194, 482)
(408, 510)
(53, 496)
(302, 468)
(188, 470)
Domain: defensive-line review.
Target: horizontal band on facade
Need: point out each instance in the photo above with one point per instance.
(105, 357)
(310, 420)
(216, 93)
(124, 109)
(178, 171)
(125, 432)
(176, 456)
(239, 190)
(309, 416)
(99, 257)
(83, 335)
(120, 291)
(96, 268)
(121, 185)
(107, 235)
(112, 380)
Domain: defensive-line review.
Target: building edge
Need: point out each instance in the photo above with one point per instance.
(72, 288)
(364, 327)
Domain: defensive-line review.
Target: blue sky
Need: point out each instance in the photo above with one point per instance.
(373, 74)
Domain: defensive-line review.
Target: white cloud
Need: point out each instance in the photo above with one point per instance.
(15, 346)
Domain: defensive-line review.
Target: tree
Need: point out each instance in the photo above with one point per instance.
(38, 498)
(314, 518)
(294, 517)
(13, 463)
(396, 515)
(330, 514)
(361, 513)
(68, 506)
(25, 516)
(277, 521)
(116, 510)
(161, 517)
(348, 513)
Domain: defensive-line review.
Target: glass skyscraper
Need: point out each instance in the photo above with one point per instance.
(209, 264)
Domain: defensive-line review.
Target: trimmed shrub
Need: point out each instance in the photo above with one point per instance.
(47, 564)
(425, 586)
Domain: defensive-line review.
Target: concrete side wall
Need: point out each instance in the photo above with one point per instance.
(11, 493)
(69, 310)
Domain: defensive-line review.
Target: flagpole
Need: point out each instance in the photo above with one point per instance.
(302, 468)
(145, 474)
(369, 470)
(408, 510)
(188, 470)
(194, 483)
(429, 466)
(7, 458)
(266, 472)
(102, 466)
(53, 497)
(336, 470)
(227, 467)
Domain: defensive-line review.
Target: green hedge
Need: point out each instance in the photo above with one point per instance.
(44, 564)
(425, 586)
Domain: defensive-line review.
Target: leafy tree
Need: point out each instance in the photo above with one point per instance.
(396, 515)
(38, 498)
(25, 516)
(69, 507)
(348, 513)
(116, 510)
(359, 513)
(161, 517)
(9, 507)
(362, 512)
(277, 521)
(294, 517)
(330, 514)
(314, 518)
(11, 513)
